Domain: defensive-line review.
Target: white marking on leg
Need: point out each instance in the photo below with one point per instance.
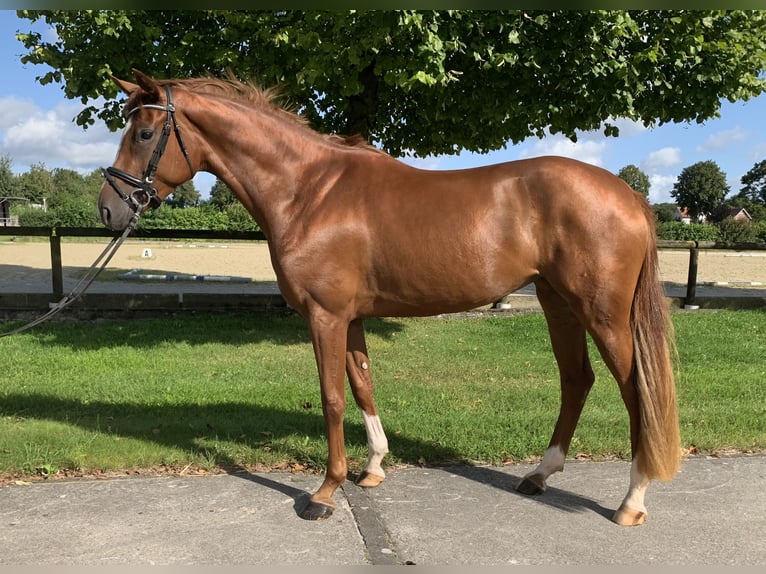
(377, 443)
(553, 461)
(639, 483)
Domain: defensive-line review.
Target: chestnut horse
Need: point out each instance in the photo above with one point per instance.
(354, 233)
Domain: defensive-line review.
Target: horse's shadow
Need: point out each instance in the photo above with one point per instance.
(558, 498)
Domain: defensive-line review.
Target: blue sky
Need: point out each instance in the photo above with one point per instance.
(37, 127)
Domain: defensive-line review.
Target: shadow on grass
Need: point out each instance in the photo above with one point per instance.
(235, 328)
(186, 426)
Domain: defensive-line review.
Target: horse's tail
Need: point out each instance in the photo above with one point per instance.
(659, 445)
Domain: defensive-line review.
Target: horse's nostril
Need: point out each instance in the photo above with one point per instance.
(106, 215)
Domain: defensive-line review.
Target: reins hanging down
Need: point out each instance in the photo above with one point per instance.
(83, 284)
(143, 195)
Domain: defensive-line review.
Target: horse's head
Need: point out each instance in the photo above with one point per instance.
(138, 179)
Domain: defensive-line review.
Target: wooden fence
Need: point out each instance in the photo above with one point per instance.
(55, 234)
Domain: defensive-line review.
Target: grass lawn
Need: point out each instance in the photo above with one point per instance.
(217, 391)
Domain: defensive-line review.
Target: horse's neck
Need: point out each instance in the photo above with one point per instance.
(264, 160)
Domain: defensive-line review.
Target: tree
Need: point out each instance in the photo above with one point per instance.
(36, 185)
(185, 195)
(664, 212)
(701, 188)
(429, 82)
(7, 179)
(221, 196)
(635, 178)
(754, 182)
(69, 185)
(757, 210)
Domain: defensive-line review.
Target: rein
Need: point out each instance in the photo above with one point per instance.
(143, 195)
(84, 283)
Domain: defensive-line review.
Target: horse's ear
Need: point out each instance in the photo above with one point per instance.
(126, 87)
(147, 84)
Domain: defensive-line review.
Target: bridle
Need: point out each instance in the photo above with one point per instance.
(144, 193)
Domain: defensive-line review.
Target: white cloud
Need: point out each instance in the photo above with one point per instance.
(53, 139)
(14, 111)
(723, 139)
(430, 162)
(585, 150)
(660, 188)
(665, 158)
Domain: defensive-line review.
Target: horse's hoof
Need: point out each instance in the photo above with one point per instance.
(625, 516)
(316, 511)
(532, 485)
(367, 480)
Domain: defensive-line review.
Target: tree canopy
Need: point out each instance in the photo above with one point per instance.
(426, 82)
(635, 178)
(754, 183)
(701, 188)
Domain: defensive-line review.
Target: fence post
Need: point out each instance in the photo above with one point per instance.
(57, 273)
(691, 280)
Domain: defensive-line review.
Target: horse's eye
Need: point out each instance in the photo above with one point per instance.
(147, 134)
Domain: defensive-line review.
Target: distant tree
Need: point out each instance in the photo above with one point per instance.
(701, 188)
(185, 195)
(664, 212)
(36, 184)
(635, 178)
(221, 196)
(7, 178)
(68, 185)
(756, 210)
(754, 182)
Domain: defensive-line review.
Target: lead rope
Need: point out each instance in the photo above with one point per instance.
(84, 283)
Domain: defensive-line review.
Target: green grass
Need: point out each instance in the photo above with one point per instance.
(227, 391)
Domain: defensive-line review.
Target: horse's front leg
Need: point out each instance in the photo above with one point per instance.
(328, 336)
(360, 379)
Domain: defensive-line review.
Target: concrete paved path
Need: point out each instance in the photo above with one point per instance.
(713, 513)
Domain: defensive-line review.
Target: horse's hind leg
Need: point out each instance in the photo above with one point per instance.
(569, 344)
(360, 379)
(615, 343)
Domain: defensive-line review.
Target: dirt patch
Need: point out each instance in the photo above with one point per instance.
(251, 259)
(199, 258)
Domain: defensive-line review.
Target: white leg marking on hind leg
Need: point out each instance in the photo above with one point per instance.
(377, 444)
(637, 489)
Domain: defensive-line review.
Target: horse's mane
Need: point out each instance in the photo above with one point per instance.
(266, 99)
